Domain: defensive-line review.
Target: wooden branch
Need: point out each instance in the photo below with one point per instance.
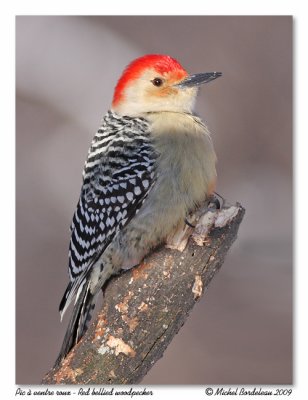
(145, 307)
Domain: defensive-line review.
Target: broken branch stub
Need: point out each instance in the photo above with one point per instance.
(145, 307)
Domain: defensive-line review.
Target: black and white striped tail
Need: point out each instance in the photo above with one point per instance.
(119, 172)
(78, 323)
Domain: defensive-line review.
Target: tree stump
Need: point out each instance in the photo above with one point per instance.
(146, 306)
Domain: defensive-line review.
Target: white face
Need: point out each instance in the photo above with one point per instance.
(153, 92)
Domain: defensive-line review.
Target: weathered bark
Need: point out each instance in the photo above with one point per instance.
(145, 307)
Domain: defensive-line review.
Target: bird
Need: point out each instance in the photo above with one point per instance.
(150, 163)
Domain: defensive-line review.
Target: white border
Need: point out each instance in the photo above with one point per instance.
(7, 197)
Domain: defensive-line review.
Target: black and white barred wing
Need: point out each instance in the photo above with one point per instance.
(118, 174)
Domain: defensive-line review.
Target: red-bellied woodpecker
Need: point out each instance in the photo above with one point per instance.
(150, 163)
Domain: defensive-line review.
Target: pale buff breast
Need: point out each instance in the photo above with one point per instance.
(187, 157)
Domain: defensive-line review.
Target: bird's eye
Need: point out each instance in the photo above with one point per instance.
(157, 81)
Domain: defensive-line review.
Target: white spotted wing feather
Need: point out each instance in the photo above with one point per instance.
(118, 174)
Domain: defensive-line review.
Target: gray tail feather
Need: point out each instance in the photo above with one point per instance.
(78, 323)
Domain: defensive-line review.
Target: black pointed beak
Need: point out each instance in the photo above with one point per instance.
(198, 79)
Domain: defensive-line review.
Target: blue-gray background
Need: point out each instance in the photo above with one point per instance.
(66, 69)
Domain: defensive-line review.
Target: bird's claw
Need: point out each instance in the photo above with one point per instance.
(216, 201)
